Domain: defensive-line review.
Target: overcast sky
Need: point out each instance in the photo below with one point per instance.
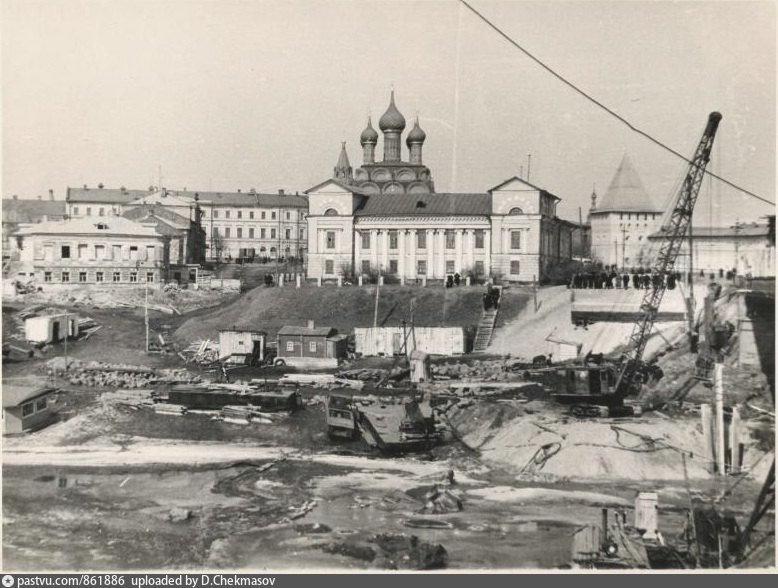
(240, 94)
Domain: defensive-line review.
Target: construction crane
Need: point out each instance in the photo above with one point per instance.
(599, 390)
(634, 371)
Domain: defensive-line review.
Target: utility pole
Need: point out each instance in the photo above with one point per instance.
(623, 244)
(377, 289)
(737, 244)
(146, 313)
(529, 164)
(67, 332)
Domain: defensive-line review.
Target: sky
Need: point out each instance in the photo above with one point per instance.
(226, 95)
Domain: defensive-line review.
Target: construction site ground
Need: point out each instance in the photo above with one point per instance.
(108, 487)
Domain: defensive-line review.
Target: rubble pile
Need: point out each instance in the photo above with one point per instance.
(393, 551)
(362, 374)
(493, 370)
(134, 399)
(99, 374)
(201, 352)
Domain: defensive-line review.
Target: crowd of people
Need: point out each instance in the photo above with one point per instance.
(491, 297)
(636, 280)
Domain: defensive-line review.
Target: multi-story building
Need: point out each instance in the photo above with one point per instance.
(387, 218)
(747, 248)
(622, 222)
(112, 251)
(27, 211)
(237, 224)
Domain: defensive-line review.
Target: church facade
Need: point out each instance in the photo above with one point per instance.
(386, 218)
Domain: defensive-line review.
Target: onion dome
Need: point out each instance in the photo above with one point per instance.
(417, 135)
(369, 135)
(392, 120)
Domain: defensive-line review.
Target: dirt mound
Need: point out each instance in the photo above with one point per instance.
(344, 308)
(648, 448)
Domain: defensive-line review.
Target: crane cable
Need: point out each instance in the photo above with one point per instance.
(605, 108)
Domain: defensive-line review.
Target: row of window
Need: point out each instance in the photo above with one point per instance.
(226, 233)
(99, 276)
(421, 267)
(31, 408)
(311, 346)
(421, 239)
(101, 252)
(637, 215)
(239, 214)
(101, 211)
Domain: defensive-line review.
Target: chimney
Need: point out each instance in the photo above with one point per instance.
(16, 197)
(311, 324)
(51, 195)
(86, 187)
(238, 190)
(101, 185)
(280, 191)
(40, 197)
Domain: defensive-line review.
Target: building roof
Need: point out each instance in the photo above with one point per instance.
(427, 204)
(106, 195)
(247, 199)
(114, 225)
(626, 192)
(307, 331)
(32, 211)
(155, 213)
(752, 230)
(14, 395)
(348, 187)
(163, 198)
(518, 179)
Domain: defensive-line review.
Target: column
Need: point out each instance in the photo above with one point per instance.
(374, 250)
(488, 251)
(401, 236)
(357, 252)
(385, 250)
(459, 246)
(412, 253)
(442, 259)
(430, 253)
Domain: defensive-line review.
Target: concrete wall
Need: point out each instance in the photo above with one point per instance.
(388, 340)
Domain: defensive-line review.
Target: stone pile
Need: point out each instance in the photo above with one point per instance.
(492, 370)
(99, 374)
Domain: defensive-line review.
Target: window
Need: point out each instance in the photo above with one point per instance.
(82, 277)
(117, 252)
(273, 215)
(251, 233)
(226, 232)
(65, 252)
(365, 240)
(226, 214)
(150, 252)
(65, 276)
(290, 345)
(99, 277)
(251, 214)
(88, 211)
(263, 215)
(75, 210)
(302, 233)
(479, 268)
(515, 239)
(272, 233)
(149, 276)
(450, 266)
(133, 253)
(40, 404)
(287, 215)
(421, 267)
(329, 267)
(392, 239)
(450, 239)
(117, 276)
(240, 232)
(28, 409)
(421, 239)
(133, 276)
(365, 266)
(240, 214)
(215, 214)
(392, 266)
(514, 267)
(288, 234)
(330, 239)
(479, 239)
(101, 212)
(261, 233)
(47, 276)
(312, 346)
(621, 216)
(514, 211)
(99, 251)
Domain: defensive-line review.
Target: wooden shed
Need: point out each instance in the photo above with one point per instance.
(310, 346)
(242, 346)
(50, 328)
(389, 340)
(26, 408)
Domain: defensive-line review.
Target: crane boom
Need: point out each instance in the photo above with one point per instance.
(673, 233)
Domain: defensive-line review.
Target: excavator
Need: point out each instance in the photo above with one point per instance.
(601, 389)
